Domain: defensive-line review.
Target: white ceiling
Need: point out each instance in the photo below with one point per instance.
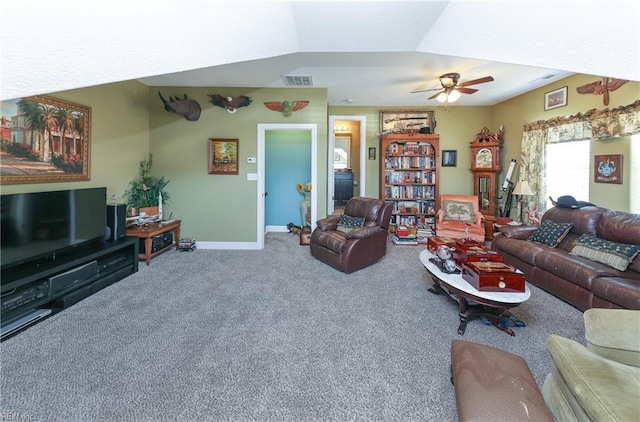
(369, 52)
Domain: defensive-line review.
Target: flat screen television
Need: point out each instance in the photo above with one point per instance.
(38, 225)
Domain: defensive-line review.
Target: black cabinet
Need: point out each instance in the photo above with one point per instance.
(35, 290)
(343, 188)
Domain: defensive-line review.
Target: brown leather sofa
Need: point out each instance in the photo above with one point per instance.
(361, 246)
(582, 282)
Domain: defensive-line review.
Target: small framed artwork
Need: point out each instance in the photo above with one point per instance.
(449, 158)
(407, 121)
(223, 156)
(556, 98)
(49, 140)
(607, 169)
(372, 153)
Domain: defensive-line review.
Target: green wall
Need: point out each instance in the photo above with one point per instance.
(529, 107)
(223, 208)
(119, 137)
(129, 121)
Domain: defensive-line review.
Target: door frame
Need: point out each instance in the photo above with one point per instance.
(331, 146)
(260, 190)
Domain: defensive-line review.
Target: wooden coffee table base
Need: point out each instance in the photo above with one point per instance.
(471, 302)
(493, 311)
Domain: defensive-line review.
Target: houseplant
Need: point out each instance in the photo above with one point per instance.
(146, 191)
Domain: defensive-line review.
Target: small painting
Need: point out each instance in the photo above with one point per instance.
(555, 99)
(449, 158)
(44, 139)
(223, 156)
(607, 169)
(372, 153)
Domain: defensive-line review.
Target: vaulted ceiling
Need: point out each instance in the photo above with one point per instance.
(363, 52)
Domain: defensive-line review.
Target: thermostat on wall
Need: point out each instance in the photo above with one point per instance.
(251, 160)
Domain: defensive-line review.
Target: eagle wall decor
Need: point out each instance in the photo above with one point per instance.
(602, 87)
(232, 104)
(286, 107)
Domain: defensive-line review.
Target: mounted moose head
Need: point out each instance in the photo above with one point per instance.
(186, 107)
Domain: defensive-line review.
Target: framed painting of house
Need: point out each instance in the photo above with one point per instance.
(44, 139)
(223, 156)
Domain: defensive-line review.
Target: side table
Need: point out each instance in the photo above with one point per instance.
(147, 232)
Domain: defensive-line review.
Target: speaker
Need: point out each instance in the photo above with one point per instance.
(116, 221)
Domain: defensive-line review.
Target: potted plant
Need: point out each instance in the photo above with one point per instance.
(146, 192)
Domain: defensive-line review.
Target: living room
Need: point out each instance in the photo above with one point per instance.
(128, 122)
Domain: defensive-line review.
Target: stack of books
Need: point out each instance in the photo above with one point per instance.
(423, 234)
(187, 244)
(409, 239)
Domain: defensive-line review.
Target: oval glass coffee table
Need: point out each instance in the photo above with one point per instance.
(471, 301)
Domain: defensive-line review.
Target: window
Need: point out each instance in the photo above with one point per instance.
(567, 170)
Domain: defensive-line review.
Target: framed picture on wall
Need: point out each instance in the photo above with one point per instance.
(607, 169)
(555, 99)
(449, 158)
(49, 140)
(407, 121)
(223, 156)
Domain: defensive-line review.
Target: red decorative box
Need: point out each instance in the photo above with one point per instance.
(434, 242)
(493, 277)
(475, 254)
(465, 244)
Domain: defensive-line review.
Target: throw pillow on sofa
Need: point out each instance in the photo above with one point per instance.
(348, 223)
(616, 255)
(550, 233)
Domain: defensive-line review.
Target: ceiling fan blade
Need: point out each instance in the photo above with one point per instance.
(477, 81)
(434, 95)
(425, 90)
(466, 90)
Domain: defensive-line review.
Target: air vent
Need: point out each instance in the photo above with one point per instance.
(299, 80)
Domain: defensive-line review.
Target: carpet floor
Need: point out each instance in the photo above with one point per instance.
(269, 335)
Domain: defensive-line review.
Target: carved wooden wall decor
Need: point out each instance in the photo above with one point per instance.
(602, 87)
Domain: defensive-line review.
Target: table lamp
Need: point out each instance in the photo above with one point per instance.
(522, 189)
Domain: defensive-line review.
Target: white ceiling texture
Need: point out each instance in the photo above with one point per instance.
(363, 52)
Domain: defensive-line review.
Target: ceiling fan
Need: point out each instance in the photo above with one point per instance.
(451, 89)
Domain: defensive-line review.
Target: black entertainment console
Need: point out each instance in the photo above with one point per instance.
(37, 289)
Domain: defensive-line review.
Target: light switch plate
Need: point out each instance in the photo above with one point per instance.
(252, 176)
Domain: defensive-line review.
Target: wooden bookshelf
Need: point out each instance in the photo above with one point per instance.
(409, 179)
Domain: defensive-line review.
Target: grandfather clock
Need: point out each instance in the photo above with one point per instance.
(485, 166)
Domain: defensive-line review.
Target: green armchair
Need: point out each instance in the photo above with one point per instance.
(601, 381)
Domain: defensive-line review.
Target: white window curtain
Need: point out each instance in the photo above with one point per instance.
(594, 124)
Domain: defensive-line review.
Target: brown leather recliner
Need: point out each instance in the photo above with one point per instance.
(360, 247)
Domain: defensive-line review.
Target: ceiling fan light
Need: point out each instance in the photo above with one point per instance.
(453, 95)
(442, 97)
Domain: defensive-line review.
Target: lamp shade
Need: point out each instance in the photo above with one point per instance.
(522, 188)
(453, 96)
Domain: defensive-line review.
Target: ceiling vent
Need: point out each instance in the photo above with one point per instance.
(297, 80)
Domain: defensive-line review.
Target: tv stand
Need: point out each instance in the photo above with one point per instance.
(35, 290)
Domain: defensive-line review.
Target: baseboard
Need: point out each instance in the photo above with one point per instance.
(228, 245)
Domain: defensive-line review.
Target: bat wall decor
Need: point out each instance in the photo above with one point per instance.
(186, 107)
(602, 87)
(286, 107)
(232, 104)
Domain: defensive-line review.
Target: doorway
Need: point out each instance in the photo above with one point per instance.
(357, 156)
(263, 131)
